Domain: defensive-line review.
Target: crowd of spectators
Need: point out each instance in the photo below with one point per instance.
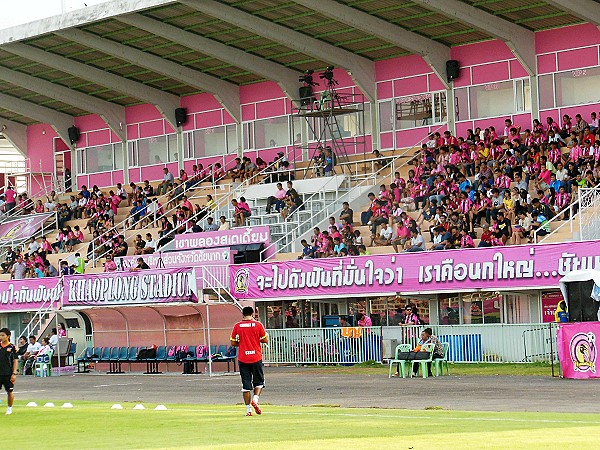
(485, 189)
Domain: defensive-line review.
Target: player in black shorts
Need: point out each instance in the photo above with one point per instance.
(8, 366)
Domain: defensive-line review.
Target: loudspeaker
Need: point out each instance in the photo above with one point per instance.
(582, 307)
(73, 134)
(180, 116)
(452, 69)
(306, 93)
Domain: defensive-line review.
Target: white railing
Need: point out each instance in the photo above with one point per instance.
(285, 243)
(571, 209)
(323, 346)
(46, 310)
(492, 343)
(589, 214)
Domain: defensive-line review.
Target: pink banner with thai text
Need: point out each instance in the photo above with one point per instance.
(228, 238)
(131, 288)
(536, 266)
(23, 227)
(578, 349)
(185, 258)
(30, 294)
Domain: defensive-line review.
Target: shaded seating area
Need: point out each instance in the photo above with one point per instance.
(152, 357)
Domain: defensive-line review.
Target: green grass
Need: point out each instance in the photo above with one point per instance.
(94, 425)
(482, 369)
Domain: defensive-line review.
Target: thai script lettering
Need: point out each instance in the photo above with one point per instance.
(250, 235)
(345, 274)
(26, 295)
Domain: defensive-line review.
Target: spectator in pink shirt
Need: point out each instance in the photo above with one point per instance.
(10, 196)
(363, 320)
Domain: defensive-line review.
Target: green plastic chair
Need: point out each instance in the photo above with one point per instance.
(423, 362)
(401, 362)
(440, 362)
(43, 365)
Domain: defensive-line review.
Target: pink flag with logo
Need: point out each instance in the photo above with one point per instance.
(22, 228)
(578, 349)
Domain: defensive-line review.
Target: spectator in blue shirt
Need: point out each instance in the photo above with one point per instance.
(308, 251)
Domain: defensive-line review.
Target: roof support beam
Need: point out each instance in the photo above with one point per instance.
(165, 103)
(520, 40)
(228, 94)
(57, 120)
(15, 133)
(587, 10)
(287, 79)
(360, 69)
(434, 53)
(112, 114)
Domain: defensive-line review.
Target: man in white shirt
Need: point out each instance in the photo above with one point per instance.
(417, 243)
(167, 182)
(561, 172)
(224, 224)
(33, 246)
(150, 246)
(53, 338)
(29, 357)
(385, 235)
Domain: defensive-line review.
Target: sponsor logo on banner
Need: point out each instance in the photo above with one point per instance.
(241, 281)
(23, 227)
(583, 352)
(131, 288)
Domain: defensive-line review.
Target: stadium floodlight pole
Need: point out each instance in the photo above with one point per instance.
(60, 122)
(165, 103)
(226, 93)
(286, 78)
(111, 113)
(361, 69)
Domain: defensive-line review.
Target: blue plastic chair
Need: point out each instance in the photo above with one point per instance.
(133, 351)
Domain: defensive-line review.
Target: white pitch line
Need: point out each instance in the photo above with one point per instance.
(117, 384)
(388, 416)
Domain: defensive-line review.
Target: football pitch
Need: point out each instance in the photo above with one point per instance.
(95, 425)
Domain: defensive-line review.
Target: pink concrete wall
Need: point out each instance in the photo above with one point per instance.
(40, 146)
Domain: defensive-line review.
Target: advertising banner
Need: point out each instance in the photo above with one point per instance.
(22, 227)
(577, 349)
(185, 258)
(549, 303)
(131, 288)
(29, 294)
(537, 266)
(211, 239)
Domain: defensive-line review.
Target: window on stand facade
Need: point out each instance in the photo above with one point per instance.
(479, 309)
(273, 132)
(577, 87)
(248, 135)
(232, 138)
(499, 99)
(386, 116)
(209, 142)
(420, 110)
(99, 159)
(118, 152)
(153, 150)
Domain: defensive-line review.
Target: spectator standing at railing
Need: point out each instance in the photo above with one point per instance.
(18, 269)
(10, 196)
(79, 264)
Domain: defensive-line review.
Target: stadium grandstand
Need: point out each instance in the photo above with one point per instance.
(386, 164)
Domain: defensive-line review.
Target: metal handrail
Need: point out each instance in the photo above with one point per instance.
(348, 194)
(569, 207)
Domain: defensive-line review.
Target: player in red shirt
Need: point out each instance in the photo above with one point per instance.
(8, 366)
(247, 335)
